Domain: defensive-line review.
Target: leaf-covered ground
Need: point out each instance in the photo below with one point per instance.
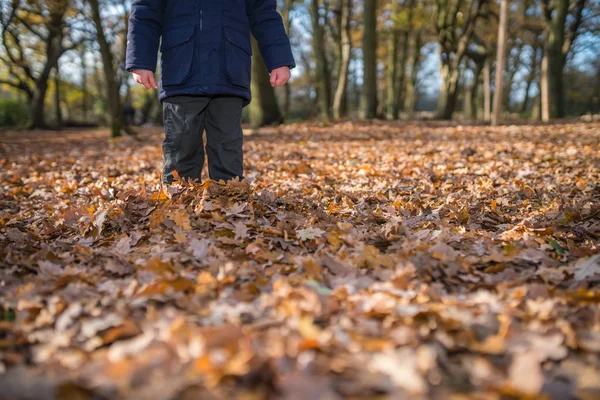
(368, 261)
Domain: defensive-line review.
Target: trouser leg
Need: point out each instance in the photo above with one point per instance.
(183, 149)
(224, 138)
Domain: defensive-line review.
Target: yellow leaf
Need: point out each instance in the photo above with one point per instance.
(182, 219)
(307, 329)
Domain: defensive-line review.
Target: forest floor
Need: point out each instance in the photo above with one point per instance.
(383, 260)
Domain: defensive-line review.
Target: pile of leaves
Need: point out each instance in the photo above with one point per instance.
(416, 260)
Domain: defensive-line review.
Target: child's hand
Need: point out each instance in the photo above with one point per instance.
(145, 78)
(280, 76)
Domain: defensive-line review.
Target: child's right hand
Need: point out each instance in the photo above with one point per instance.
(145, 78)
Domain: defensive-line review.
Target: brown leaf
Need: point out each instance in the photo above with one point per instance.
(443, 252)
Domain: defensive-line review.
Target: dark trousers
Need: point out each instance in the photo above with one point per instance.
(185, 119)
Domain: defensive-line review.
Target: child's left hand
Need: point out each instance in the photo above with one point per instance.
(280, 76)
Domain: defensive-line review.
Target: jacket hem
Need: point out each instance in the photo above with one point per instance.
(197, 90)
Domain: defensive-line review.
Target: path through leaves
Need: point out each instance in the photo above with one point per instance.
(367, 261)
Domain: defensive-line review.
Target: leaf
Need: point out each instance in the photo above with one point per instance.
(99, 219)
(308, 329)
(587, 267)
(182, 219)
(118, 267)
(443, 252)
(236, 210)
(313, 270)
(123, 246)
(525, 373)
(532, 255)
(165, 287)
(199, 248)
(557, 247)
(15, 235)
(401, 367)
(158, 268)
(50, 269)
(309, 233)
(241, 230)
(317, 287)
(68, 316)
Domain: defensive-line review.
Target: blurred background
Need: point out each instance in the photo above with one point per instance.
(62, 62)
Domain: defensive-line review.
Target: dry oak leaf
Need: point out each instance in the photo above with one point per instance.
(587, 267)
(236, 210)
(123, 246)
(443, 252)
(309, 233)
(241, 230)
(200, 248)
(402, 367)
(182, 219)
(525, 373)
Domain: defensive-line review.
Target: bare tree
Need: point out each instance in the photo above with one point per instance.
(344, 54)
(370, 60)
(287, 22)
(264, 109)
(563, 21)
(456, 21)
(42, 27)
(323, 74)
(391, 100)
(414, 61)
(500, 56)
(113, 80)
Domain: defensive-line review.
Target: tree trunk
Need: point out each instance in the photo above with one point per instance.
(370, 60)
(340, 101)
(401, 87)
(84, 87)
(487, 91)
(391, 106)
(545, 89)
(36, 109)
(556, 47)
(530, 79)
(113, 96)
(264, 109)
(36, 112)
(50, 38)
(355, 92)
(323, 78)
(57, 97)
(471, 103)
(37, 115)
(414, 62)
(401, 83)
(516, 66)
(501, 53)
(450, 72)
(556, 91)
(287, 21)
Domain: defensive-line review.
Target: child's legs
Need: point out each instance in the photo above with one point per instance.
(183, 150)
(224, 138)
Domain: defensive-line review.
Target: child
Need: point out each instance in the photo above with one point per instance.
(205, 71)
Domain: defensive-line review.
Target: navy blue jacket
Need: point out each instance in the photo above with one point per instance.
(205, 47)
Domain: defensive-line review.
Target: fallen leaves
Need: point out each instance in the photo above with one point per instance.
(423, 260)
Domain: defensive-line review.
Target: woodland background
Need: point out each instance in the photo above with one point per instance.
(61, 62)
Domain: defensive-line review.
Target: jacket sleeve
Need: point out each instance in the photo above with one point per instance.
(143, 36)
(267, 27)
